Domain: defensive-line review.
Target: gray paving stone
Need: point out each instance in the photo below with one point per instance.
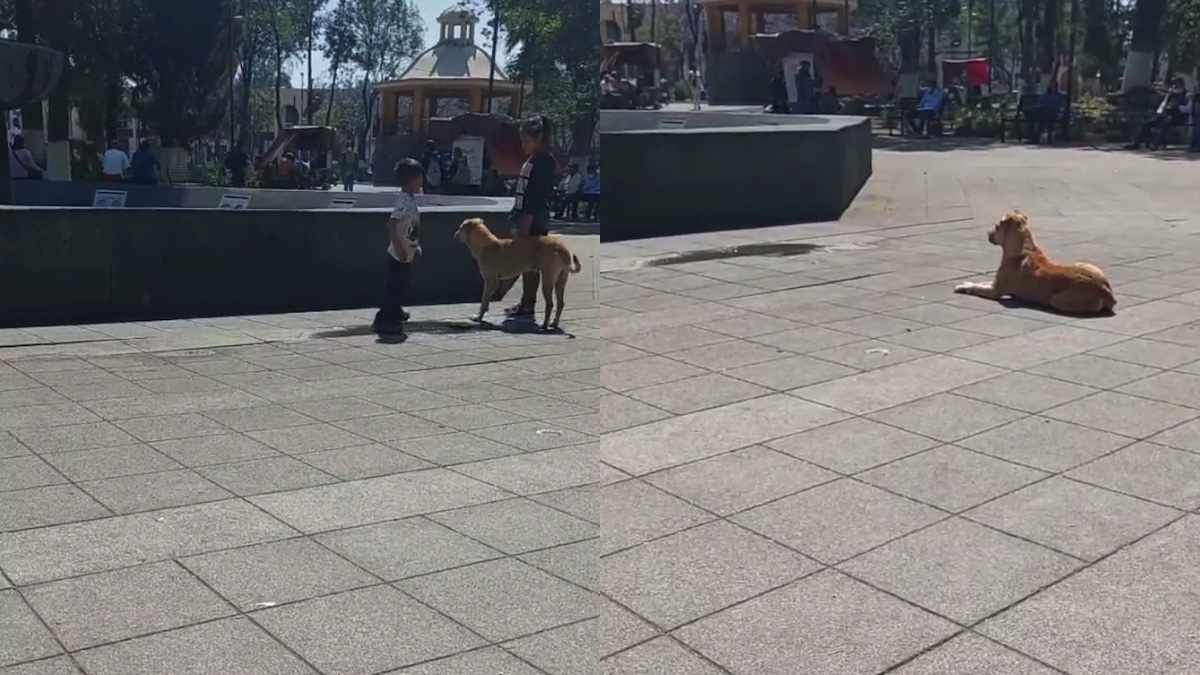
(367, 630)
(698, 393)
(672, 339)
(50, 505)
(469, 417)
(516, 526)
(69, 550)
(1038, 347)
(740, 480)
(364, 461)
(838, 520)
(1123, 414)
(1022, 391)
(265, 575)
(620, 412)
(1149, 471)
(101, 608)
(632, 512)
(258, 418)
(488, 661)
(729, 355)
(578, 563)
(951, 478)
(1000, 325)
(11, 447)
(790, 373)
(536, 472)
(337, 409)
(580, 502)
(171, 427)
(405, 548)
(852, 445)
(961, 570)
(1125, 614)
(307, 438)
(258, 476)
(887, 387)
(146, 492)
(1151, 353)
(56, 666)
(1045, 444)
(330, 507)
(649, 371)
(123, 460)
(947, 417)
(1170, 387)
(1084, 521)
(687, 575)
(73, 437)
(455, 448)
(22, 473)
(392, 428)
(23, 637)
(827, 622)
(679, 440)
(938, 339)
(658, 656)
(1186, 436)
(534, 436)
(503, 599)
(1093, 371)
(214, 449)
(570, 649)
(970, 654)
(231, 646)
(620, 629)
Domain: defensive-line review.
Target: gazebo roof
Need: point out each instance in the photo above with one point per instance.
(455, 59)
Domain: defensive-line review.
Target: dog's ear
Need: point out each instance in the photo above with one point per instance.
(1019, 218)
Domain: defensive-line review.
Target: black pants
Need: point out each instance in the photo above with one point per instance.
(918, 121)
(569, 206)
(530, 280)
(1160, 124)
(237, 179)
(1041, 120)
(593, 206)
(391, 309)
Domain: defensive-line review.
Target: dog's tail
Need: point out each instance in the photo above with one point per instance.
(576, 266)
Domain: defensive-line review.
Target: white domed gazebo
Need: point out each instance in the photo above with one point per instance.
(454, 68)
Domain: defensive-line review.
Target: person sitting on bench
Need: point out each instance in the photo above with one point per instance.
(1047, 112)
(1175, 110)
(928, 108)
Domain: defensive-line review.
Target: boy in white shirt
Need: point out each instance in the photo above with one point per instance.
(115, 163)
(404, 245)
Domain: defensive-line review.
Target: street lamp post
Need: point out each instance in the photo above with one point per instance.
(234, 21)
(495, 44)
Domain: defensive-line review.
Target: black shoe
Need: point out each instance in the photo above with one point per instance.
(519, 311)
(388, 328)
(403, 316)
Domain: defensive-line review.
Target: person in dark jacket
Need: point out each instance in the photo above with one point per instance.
(531, 210)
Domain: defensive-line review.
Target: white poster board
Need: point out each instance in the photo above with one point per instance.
(791, 63)
(342, 203)
(109, 199)
(234, 202)
(472, 147)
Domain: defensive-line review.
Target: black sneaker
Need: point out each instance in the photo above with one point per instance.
(403, 316)
(519, 311)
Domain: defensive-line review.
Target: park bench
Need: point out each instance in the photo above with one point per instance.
(1020, 121)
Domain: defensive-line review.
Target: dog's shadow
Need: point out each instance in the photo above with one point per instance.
(1013, 303)
(510, 326)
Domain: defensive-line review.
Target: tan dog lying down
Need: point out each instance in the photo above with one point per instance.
(510, 258)
(1029, 275)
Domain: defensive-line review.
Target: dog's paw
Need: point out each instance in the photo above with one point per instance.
(478, 318)
(964, 288)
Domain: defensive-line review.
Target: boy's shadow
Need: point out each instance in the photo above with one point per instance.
(510, 326)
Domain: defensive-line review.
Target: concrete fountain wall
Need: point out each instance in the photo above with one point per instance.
(670, 173)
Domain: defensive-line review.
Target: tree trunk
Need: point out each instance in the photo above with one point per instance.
(58, 127)
(333, 80)
(278, 87)
(112, 105)
(1027, 13)
(308, 99)
(33, 122)
(931, 51)
(1048, 37)
(247, 94)
(1143, 43)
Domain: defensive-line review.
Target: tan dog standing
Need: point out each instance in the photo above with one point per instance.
(1029, 275)
(510, 258)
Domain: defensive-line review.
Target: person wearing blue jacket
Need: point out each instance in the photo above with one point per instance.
(591, 192)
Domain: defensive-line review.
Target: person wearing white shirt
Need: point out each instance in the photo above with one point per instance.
(571, 187)
(115, 163)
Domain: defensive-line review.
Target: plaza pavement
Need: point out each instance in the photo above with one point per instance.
(283, 495)
(830, 464)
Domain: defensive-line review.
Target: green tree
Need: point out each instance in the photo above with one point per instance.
(338, 45)
(1144, 43)
(180, 67)
(384, 34)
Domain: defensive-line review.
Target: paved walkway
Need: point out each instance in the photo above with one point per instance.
(276, 495)
(830, 464)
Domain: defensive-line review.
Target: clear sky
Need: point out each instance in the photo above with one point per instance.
(429, 9)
